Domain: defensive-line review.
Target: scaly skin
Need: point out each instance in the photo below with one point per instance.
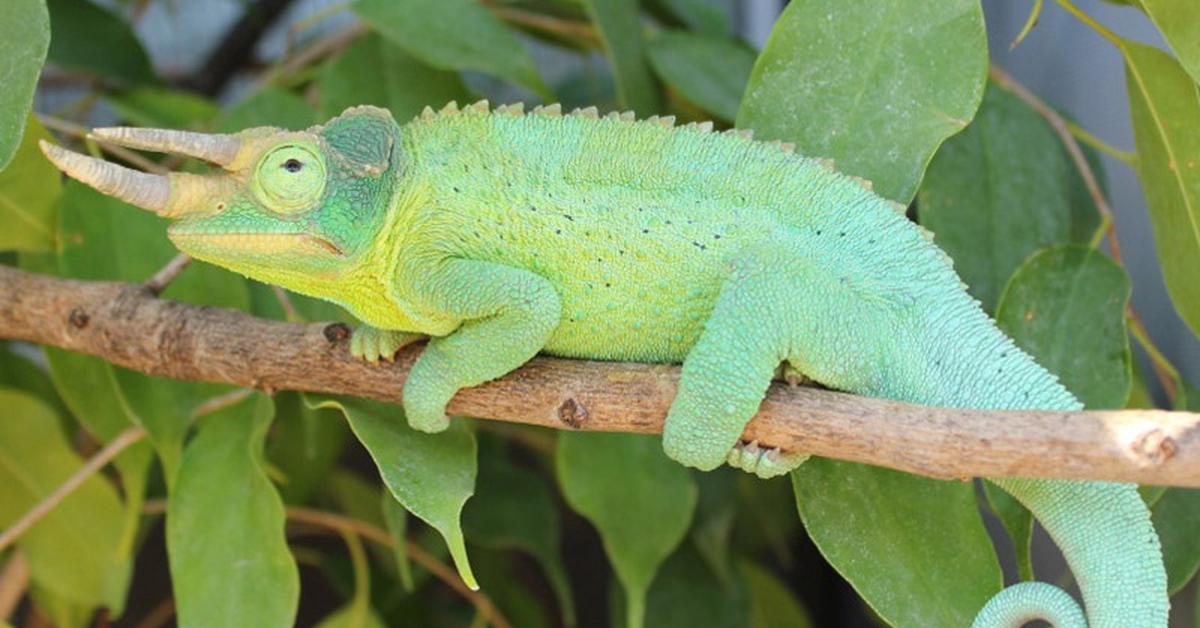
(502, 235)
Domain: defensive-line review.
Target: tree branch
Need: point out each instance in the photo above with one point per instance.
(126, 325)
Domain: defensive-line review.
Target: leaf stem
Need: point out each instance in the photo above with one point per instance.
(93, 465)
(1030, 21)
(1168, 375)
(168, 273)
(1084, 136)
(1091, 22)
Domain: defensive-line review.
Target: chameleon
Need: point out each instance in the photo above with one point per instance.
(500, 234)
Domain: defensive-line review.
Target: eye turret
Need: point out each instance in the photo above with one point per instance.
(290, 177)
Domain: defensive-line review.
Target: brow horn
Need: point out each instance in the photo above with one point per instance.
(217, 148)
(148, 191)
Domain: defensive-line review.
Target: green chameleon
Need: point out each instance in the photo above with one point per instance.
(501, 235)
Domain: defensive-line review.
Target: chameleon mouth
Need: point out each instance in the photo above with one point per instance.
(201, 242)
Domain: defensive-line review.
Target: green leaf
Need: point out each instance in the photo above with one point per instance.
(453, 35)
(709, 71)
(708, 17)
(772, 604)
(24, 38)
(398, 81)
(162, 107)
(94, 40)
(1018, 523)
(1179, 21)
(73, 550)
(1175, 516)
(270, 107)
(621, 33)
(876, 85)
(19, 370)
(433, 475)
(304, 446)
(514, 508)
(996, 193)
(1165, 105)
(716, 510)
(1066, 307)
(230, 564)
(396, 518)
(639, 500)
(686, 593)
(914, 548)
(29, 191)
(357, 613)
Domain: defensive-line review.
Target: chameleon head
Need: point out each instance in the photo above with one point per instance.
(293, 208)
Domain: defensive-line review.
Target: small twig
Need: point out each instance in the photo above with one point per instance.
(440, 570)
(90, 468)
(13, 582)
(168, 273)
(309, 21)
(548, 24)
(1005, 80)
(81, 132)
(221, 402)
(323, 47)
(289, 309)
(236, 47)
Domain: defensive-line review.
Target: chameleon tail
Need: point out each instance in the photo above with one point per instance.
(1104, 531)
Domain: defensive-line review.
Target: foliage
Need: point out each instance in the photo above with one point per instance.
(573, 528)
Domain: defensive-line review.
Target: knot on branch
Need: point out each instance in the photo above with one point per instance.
(572, 413)
(1154, 447)
(78, 318)
(336, 332)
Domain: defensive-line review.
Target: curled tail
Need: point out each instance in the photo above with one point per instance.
(1104, 531)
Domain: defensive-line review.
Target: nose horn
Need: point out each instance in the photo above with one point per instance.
(216, 148)
(148, 191)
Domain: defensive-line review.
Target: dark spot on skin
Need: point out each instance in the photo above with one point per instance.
(572, 413)
(668, 222)
(699, 246)
(639, 209)
(841, 234)
(457, 190)
(818, 232)
(645, 231)
(220, 206)
(558, 231)
(716, 236)
(600, 259)
(607, 285)
(293, 165)
(569, 217)
(336, 332)
(871, 241)
(78, 318)
(622, 251)
(532, 208)
(1004, 354)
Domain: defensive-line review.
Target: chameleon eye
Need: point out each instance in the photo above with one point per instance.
(290, 177)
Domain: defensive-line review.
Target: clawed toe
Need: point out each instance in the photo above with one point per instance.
(764, 462)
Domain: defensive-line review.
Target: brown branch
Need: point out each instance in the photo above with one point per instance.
(126, 325)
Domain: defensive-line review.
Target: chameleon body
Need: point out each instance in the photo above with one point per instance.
(502, 235)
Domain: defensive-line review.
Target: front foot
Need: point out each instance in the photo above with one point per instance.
(371, 344)
(764, 462)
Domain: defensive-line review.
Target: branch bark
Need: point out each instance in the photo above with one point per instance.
(128, 326)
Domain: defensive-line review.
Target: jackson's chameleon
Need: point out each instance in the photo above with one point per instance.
(501, 235)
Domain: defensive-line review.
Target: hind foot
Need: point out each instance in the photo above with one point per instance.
(371, 344)
(764, 462)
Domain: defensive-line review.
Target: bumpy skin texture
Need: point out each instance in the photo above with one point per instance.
(501, 235)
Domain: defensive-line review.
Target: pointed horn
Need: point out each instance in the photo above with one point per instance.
(214, 148)
(148, 191)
